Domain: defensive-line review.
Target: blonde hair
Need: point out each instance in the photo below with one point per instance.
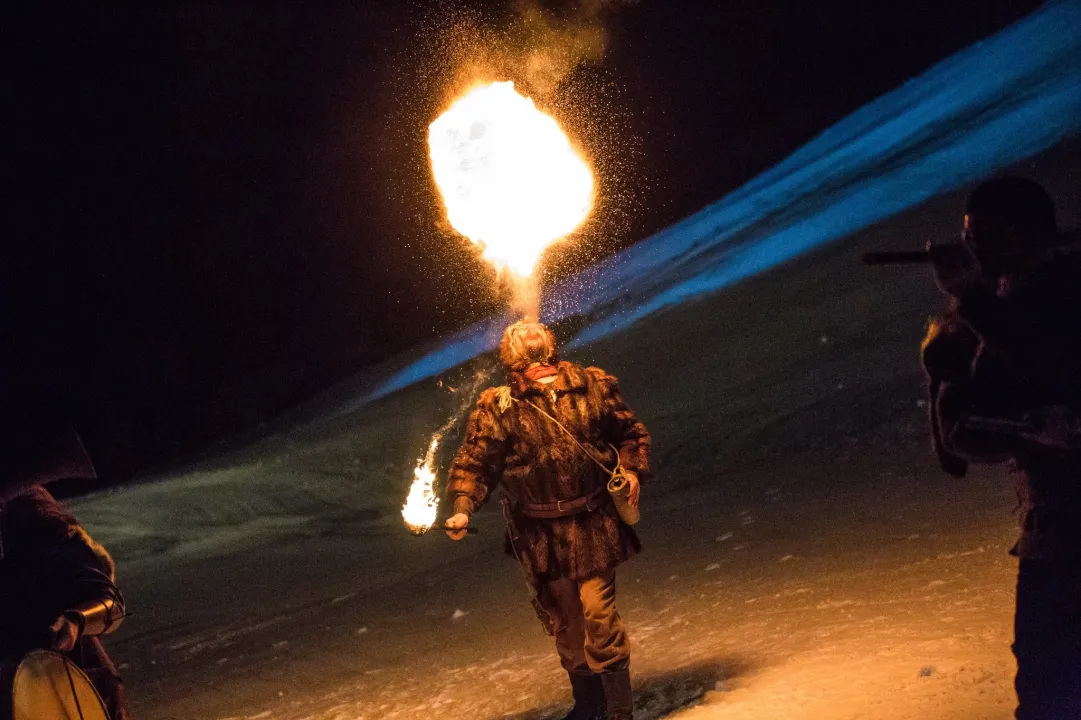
(526, 343)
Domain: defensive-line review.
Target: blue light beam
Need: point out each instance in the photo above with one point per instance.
(986, 107)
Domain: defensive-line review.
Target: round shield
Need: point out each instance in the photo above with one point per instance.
(50, 687)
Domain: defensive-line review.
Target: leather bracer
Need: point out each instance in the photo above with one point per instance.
(98, 617)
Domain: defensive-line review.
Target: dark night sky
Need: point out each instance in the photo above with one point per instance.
(218, 208)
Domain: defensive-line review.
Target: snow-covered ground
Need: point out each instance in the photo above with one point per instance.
(804, 557)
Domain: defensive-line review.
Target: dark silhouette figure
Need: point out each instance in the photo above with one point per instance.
(57, 588)
(1004, 369)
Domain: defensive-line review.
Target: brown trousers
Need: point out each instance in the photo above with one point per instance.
(590, 636)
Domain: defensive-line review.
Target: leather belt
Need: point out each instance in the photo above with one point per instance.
(565, 508)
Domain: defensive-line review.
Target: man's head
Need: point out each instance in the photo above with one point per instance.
(526, 343)
(1008, 221)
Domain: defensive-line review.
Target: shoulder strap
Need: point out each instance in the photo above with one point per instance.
(619, 466)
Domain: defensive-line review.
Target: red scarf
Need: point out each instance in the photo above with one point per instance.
(538, 372)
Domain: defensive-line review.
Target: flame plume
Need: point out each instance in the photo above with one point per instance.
(422, 503)
(420, 507)
(510, 179)
(513, 184)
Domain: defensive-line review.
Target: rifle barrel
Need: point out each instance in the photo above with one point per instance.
(1003, 426)
(897, 257)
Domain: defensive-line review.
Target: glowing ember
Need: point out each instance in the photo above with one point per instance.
(509, 177)
(420, 505)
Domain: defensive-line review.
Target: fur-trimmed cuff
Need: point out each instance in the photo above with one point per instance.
(636, 461)
(463, 504)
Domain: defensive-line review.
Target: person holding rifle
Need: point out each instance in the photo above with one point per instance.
(1004, 368)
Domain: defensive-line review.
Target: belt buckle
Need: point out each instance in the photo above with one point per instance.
(559, 506)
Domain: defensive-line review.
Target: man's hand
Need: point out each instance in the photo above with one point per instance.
(955, 269)
(634, 491)
(456, 525)
(63, 633)
(1055, 426)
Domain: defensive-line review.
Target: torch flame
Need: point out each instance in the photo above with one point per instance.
(511, 181)
(420, 505)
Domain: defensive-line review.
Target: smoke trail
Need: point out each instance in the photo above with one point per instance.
(536, 46)
(525, 298)
(421, 504)
(552, 45)
(468, 395)
(555, 44)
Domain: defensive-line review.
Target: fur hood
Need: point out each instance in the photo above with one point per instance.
(35, 516)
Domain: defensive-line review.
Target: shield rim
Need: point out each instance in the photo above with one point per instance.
(71, 667)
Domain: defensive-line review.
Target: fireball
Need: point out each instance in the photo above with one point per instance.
(510, 179)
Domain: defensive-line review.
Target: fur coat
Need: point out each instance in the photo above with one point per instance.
(49, 564)
(509, 442)
(1018, 350)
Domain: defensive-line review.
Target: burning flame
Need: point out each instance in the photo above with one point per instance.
(420, 505)
(508, 175)
(419, 511)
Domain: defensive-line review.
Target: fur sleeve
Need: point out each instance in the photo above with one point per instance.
(46, 536)
(946, 353)
(987, 392)
(1000, 325)
(621, 426)
(948, 349)
(36, 518)
(478, 465)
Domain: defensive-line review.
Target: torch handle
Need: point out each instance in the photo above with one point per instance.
(469, 529)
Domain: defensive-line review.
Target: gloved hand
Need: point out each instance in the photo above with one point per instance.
(634, 489)
(64, 632)
(955, 269)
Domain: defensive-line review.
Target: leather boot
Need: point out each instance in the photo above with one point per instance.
(588, 692)
(617, 695)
